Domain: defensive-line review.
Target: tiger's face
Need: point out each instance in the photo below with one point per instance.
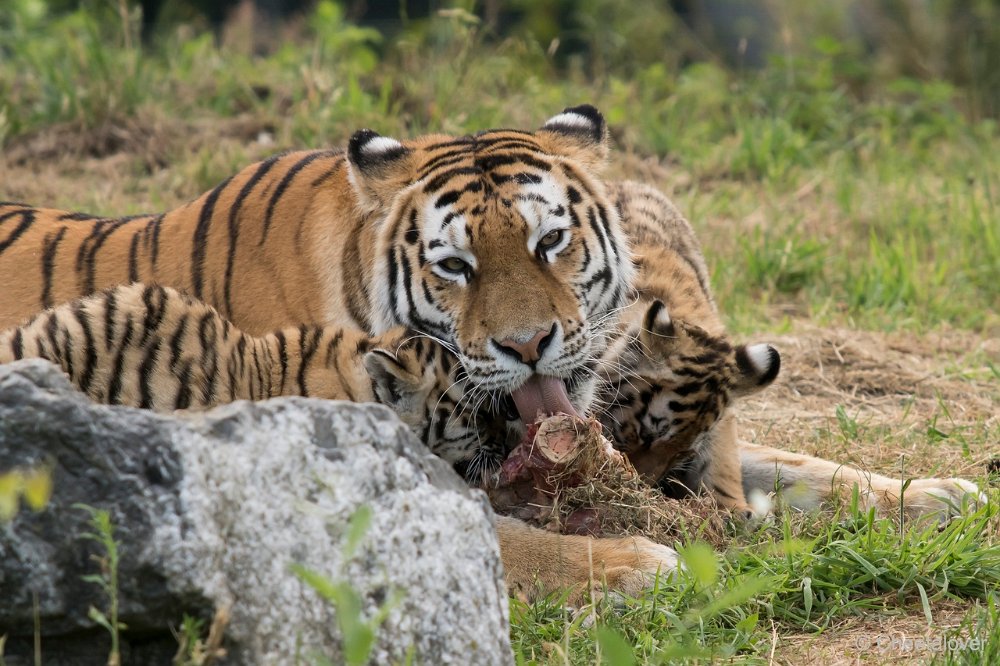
(504, 247)
(672, 385)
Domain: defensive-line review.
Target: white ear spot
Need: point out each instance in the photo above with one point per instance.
(761, 357)
(662, 320)
(571, 120)
(379, 145)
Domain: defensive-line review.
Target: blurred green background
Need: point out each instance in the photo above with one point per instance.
(939, 51)
(839, 159)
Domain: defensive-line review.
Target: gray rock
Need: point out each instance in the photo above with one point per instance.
(211, 510)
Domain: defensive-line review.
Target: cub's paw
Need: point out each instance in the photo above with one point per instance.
(941, 498)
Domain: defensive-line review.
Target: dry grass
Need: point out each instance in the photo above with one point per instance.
(854, 640)
(144, 164)
(932, 398)
(567, 477)
(629, 506)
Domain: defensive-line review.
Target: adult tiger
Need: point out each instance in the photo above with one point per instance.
(503, 245)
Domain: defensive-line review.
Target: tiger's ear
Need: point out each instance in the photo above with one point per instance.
(658, 334)
(380, 168)
(580, 133)
(758, 367)
(393, 382)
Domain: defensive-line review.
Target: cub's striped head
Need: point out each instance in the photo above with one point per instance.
(426, 387)
(502, 245)
(673, 384)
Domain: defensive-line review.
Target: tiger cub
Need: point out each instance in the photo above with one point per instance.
(667, 408)
(154, 347)
(673, 375)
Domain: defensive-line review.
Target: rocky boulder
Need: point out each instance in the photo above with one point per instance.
(212, 510)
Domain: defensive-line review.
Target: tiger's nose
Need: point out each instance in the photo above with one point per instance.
(530, 350)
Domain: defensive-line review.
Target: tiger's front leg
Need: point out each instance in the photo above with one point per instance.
(805, 482)
(723, 472)
(537, 562)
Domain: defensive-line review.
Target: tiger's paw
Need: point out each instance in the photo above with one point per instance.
(946, 497)
(941, 498)
(651, 562)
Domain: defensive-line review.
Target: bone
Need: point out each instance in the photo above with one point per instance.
(566, 476)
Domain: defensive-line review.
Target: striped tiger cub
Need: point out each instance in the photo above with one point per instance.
(669, 405)
(154, 347)
(673, 376)
(674, 373)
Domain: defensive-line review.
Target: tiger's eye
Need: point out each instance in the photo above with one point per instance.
(454, 265)
(550, 239)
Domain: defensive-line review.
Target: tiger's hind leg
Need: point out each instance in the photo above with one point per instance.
(806, 482)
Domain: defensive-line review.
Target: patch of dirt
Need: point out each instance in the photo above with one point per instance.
(138, 164)
(149, 136)
(877, 638)
(145, 137)
(927, 392)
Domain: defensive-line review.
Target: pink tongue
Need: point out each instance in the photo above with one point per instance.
(543, 395)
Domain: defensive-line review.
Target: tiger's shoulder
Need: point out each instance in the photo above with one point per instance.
(670, 262)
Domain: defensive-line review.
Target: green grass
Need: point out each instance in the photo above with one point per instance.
(107, 579)
(829, 187)
(799, 575)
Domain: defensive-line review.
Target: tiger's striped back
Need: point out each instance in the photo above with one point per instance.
(154, 347)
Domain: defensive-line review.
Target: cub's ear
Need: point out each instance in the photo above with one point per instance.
(380, 168)
(393, 382)
(657, 320)
(758, 366)
(658, 335)
(579, 133)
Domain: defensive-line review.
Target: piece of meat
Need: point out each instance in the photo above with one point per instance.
(557, 453)
(567, 477)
